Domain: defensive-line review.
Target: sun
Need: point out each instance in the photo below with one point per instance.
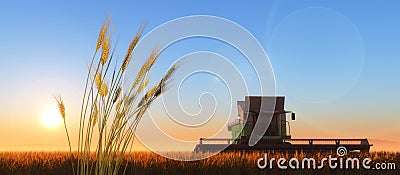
(51, 118)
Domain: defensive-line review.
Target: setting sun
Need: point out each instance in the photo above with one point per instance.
(51, 118)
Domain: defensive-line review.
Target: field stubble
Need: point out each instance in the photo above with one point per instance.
(150, 163)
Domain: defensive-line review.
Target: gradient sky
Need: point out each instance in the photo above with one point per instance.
(337, 62)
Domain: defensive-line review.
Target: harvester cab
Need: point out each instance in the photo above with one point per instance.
(249, 111)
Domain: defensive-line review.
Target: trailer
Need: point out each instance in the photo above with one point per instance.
(277, 136)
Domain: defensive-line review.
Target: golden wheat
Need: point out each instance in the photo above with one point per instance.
(103, 91)
(112, 142)
(61, 106)
(118, 105)
(98, 80)
(106, 51)
(117, 94)
(45, 163)
(95, 114)
(132, 46)
(102, 34)
(143, 85)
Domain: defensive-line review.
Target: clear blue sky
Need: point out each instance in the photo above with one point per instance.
(336, 61)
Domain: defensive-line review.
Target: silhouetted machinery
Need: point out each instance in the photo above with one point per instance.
(277, 137)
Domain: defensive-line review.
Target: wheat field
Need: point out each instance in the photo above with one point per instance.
(112, 110)
(151, 163)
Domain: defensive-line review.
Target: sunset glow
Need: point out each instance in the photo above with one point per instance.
(335, 62)
(51, 118)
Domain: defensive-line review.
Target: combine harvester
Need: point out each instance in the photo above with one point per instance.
(277, 137)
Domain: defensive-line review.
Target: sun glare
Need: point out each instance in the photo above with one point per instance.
(51, 118)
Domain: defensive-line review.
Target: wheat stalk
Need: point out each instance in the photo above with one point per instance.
(103, 33)
(61, 108)
(103, 91)
(117, 94)
(132, 46)
(110, 105)
(95, 115)
(105, 51)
